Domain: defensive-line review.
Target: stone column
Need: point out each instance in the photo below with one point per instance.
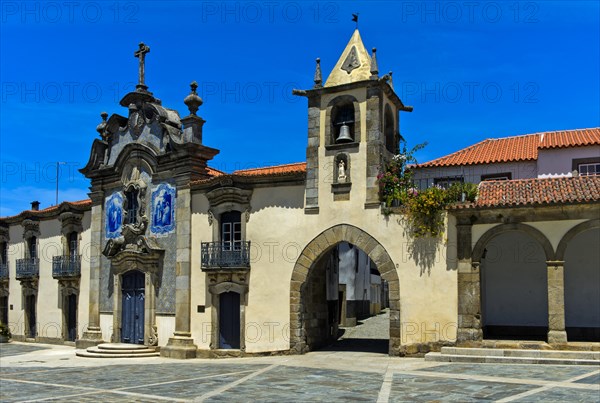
(181, 345)
(556, 302)
(469, 288)
(375, 146)
(93, 335)
(312, 156)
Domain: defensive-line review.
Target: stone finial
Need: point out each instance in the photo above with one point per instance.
(193, 101)
(318, 78)
(102, 126)
(374, 67)
(391, 81)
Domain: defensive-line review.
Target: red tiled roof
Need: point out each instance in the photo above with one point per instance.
(49, 210)
(570, 138)
(273, 170)
(518, 148)
(524, 192)
(214, 172)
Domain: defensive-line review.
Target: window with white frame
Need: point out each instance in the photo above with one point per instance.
(589, 169)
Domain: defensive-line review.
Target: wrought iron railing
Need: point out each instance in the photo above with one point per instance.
(216, 255)
(66, 266)
(3, 271)
(28, 268)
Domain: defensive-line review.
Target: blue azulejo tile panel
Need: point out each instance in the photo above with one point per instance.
(162, 210)
(409, 388)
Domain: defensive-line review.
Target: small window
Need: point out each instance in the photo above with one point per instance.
(447, 181)
(231, 230)
(505, 176)
(3, 252)
(589, 169)
(132, 206)
(73, 241)
(32, 247)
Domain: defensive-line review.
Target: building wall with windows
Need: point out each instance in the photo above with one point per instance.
(563, 161)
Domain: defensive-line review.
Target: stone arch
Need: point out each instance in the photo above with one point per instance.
(578, 253)
(479, 248)
(317, 248)
(513, 283)
(572, 233)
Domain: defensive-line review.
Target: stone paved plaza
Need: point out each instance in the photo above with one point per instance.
(37, 372)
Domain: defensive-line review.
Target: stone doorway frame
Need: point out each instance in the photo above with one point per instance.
(311, 254)
(150, 267)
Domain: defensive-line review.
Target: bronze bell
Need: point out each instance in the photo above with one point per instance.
(344, 136)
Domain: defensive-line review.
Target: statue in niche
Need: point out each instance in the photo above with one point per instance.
(342, 171)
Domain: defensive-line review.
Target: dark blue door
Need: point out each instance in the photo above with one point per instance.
(31, 319)
(132, 321)
(229, 320)
(72, 317)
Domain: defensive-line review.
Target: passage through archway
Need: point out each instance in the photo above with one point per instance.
(315, 309)
(514, 287)
(581, 279)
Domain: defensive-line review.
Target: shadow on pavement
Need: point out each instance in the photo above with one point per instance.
(359, 345)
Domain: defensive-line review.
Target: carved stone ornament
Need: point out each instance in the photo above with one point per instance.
(351, 61)
(136, 120)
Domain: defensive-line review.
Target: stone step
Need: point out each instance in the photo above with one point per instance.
(118, 350)
(522, 353)
(84, 353)
(121, 346)
(439, 357)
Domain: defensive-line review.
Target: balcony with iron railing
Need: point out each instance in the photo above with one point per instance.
(28, 268)
(66, 266)
(3, 271)
(225, 256)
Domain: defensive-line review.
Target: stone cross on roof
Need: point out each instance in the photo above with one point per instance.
(141, 54)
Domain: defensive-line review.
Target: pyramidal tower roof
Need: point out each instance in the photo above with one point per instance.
(353, 65)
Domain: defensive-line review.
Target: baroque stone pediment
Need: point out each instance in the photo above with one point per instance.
(229, 194)
(141, 253)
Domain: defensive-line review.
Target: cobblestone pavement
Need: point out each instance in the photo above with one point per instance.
(37, 372)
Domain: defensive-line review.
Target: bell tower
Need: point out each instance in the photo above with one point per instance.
(353, 130)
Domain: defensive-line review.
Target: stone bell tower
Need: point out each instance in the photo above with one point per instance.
(353, 129)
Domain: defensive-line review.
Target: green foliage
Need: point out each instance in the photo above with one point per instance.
(423, 209)
(4, 330)
(395, 182)
(456, 190)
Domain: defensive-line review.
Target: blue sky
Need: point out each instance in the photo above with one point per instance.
(472, 70)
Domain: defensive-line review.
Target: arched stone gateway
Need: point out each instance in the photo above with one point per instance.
(317, 248)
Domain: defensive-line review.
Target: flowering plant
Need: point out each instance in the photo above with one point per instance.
(395, 182)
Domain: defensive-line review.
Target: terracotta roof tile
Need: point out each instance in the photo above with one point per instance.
(518, 148)
(570, 138)
(273, 170)
(527, 192)
(214, 172)
(49, 210)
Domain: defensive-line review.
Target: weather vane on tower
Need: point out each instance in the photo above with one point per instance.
(355, 19)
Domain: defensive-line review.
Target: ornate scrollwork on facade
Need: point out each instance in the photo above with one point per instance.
(31, 228)
(71, 222)
(153, 336)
